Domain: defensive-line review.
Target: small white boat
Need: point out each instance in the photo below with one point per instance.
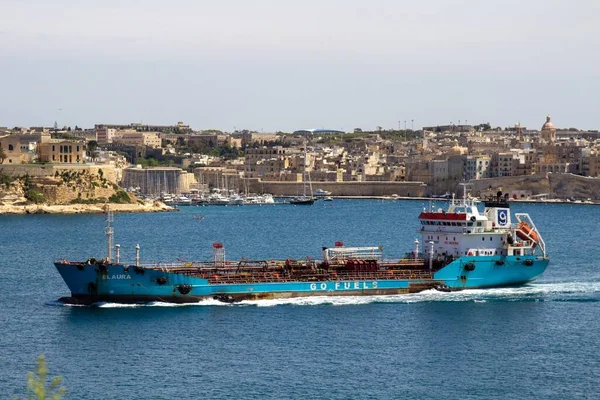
(321, 192)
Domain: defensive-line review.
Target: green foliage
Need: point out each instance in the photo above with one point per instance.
(346, 137)
(483, 127)
(76, 179)
(32, 193)
(148, 162)
(2, 155)
(121, 197)
(35, 196)
(97, 200)
(38, 389)
(5, 179)
(63, 135)
(403, 135)
(92, 146)
(228, 152)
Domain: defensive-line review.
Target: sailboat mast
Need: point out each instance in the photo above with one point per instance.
(304, 170)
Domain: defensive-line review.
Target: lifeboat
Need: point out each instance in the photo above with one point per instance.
(526, 232)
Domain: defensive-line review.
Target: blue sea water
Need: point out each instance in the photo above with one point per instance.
(536, 341)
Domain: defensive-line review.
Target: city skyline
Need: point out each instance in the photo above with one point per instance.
(271, 66)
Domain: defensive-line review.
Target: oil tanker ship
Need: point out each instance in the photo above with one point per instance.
(462, 248)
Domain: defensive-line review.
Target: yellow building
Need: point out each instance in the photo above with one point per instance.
(12, 150)
(62, 151)
(18, 149)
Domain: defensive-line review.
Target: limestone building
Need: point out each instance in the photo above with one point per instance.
(62, 151)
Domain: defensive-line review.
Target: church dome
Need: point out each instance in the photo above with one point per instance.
(548, 125)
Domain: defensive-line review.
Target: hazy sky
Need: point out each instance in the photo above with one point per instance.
(283, 65)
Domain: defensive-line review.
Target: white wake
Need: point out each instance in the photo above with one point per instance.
(554, 291)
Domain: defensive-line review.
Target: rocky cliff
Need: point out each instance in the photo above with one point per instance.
(67, 192)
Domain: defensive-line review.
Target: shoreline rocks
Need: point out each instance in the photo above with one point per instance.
(147, 206)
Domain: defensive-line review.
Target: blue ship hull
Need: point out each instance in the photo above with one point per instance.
(90, 283)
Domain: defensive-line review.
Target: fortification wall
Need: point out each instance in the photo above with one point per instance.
(158, 180)
(49, 170)
(556, 185)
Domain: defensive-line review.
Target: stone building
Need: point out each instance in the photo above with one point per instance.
(477, 167)
(12, 149)
(149, 139)
(62, 151)
(506, 165)
(219, 177)
(104, 134)
(268, 163)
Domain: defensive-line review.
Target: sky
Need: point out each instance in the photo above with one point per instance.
(271, 65)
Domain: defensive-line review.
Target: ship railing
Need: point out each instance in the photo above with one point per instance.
(524, 217)
(321, 277)
(178, 265)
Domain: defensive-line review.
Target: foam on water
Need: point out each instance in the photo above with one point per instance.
(555, 291)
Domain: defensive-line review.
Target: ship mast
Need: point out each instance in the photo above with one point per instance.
(464, 185)
(109, 233)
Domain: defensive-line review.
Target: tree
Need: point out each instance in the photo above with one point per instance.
(92, 145)
(2, 155)
(36, 384)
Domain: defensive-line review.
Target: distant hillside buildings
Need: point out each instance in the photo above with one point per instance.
(440, 156)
